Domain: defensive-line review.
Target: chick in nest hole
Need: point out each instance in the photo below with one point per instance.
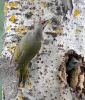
(72, 63)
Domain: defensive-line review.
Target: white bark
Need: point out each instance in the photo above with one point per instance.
(43, 81)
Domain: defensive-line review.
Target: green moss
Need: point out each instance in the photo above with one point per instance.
(1, 22)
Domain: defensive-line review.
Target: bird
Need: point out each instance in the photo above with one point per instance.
(26, 50)
(72, 63)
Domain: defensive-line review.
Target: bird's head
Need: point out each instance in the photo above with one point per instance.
(39, 29)
(43, 23)
(75, 63)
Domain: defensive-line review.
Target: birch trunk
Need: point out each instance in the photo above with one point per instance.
(64, 34)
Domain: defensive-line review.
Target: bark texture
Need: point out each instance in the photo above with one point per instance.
(65, 33)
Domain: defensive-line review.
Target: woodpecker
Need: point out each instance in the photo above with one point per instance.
(72, 63)
(27, 48)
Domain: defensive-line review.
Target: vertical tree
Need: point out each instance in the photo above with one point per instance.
(64, 34)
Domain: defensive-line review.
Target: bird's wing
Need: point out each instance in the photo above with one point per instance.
(15, 55)
(29, 53)
(21, 45)
(25, 57)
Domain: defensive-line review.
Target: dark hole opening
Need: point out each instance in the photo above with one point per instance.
(74, 74)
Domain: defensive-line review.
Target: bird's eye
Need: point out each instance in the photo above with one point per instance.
(74, 62)
(43, 22)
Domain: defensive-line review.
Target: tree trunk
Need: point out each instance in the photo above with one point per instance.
(47, 75)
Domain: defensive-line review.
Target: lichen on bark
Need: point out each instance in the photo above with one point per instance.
(62, 35)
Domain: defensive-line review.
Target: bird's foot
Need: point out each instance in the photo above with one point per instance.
(22, 80)
(21, 85)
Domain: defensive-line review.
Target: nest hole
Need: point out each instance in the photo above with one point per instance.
(75, 77)
(71, 54)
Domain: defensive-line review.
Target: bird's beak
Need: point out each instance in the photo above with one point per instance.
(79, 64)
(47, 22)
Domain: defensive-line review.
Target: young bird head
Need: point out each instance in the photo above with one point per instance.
(75, 63)
(72, 64)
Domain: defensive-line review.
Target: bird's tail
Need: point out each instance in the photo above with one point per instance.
(22, 74)
(20, 66)
(12, 61)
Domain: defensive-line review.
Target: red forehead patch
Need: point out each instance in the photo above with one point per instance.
(41, 21)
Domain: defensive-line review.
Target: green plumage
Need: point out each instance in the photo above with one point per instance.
(24, 52)
(27, 48)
